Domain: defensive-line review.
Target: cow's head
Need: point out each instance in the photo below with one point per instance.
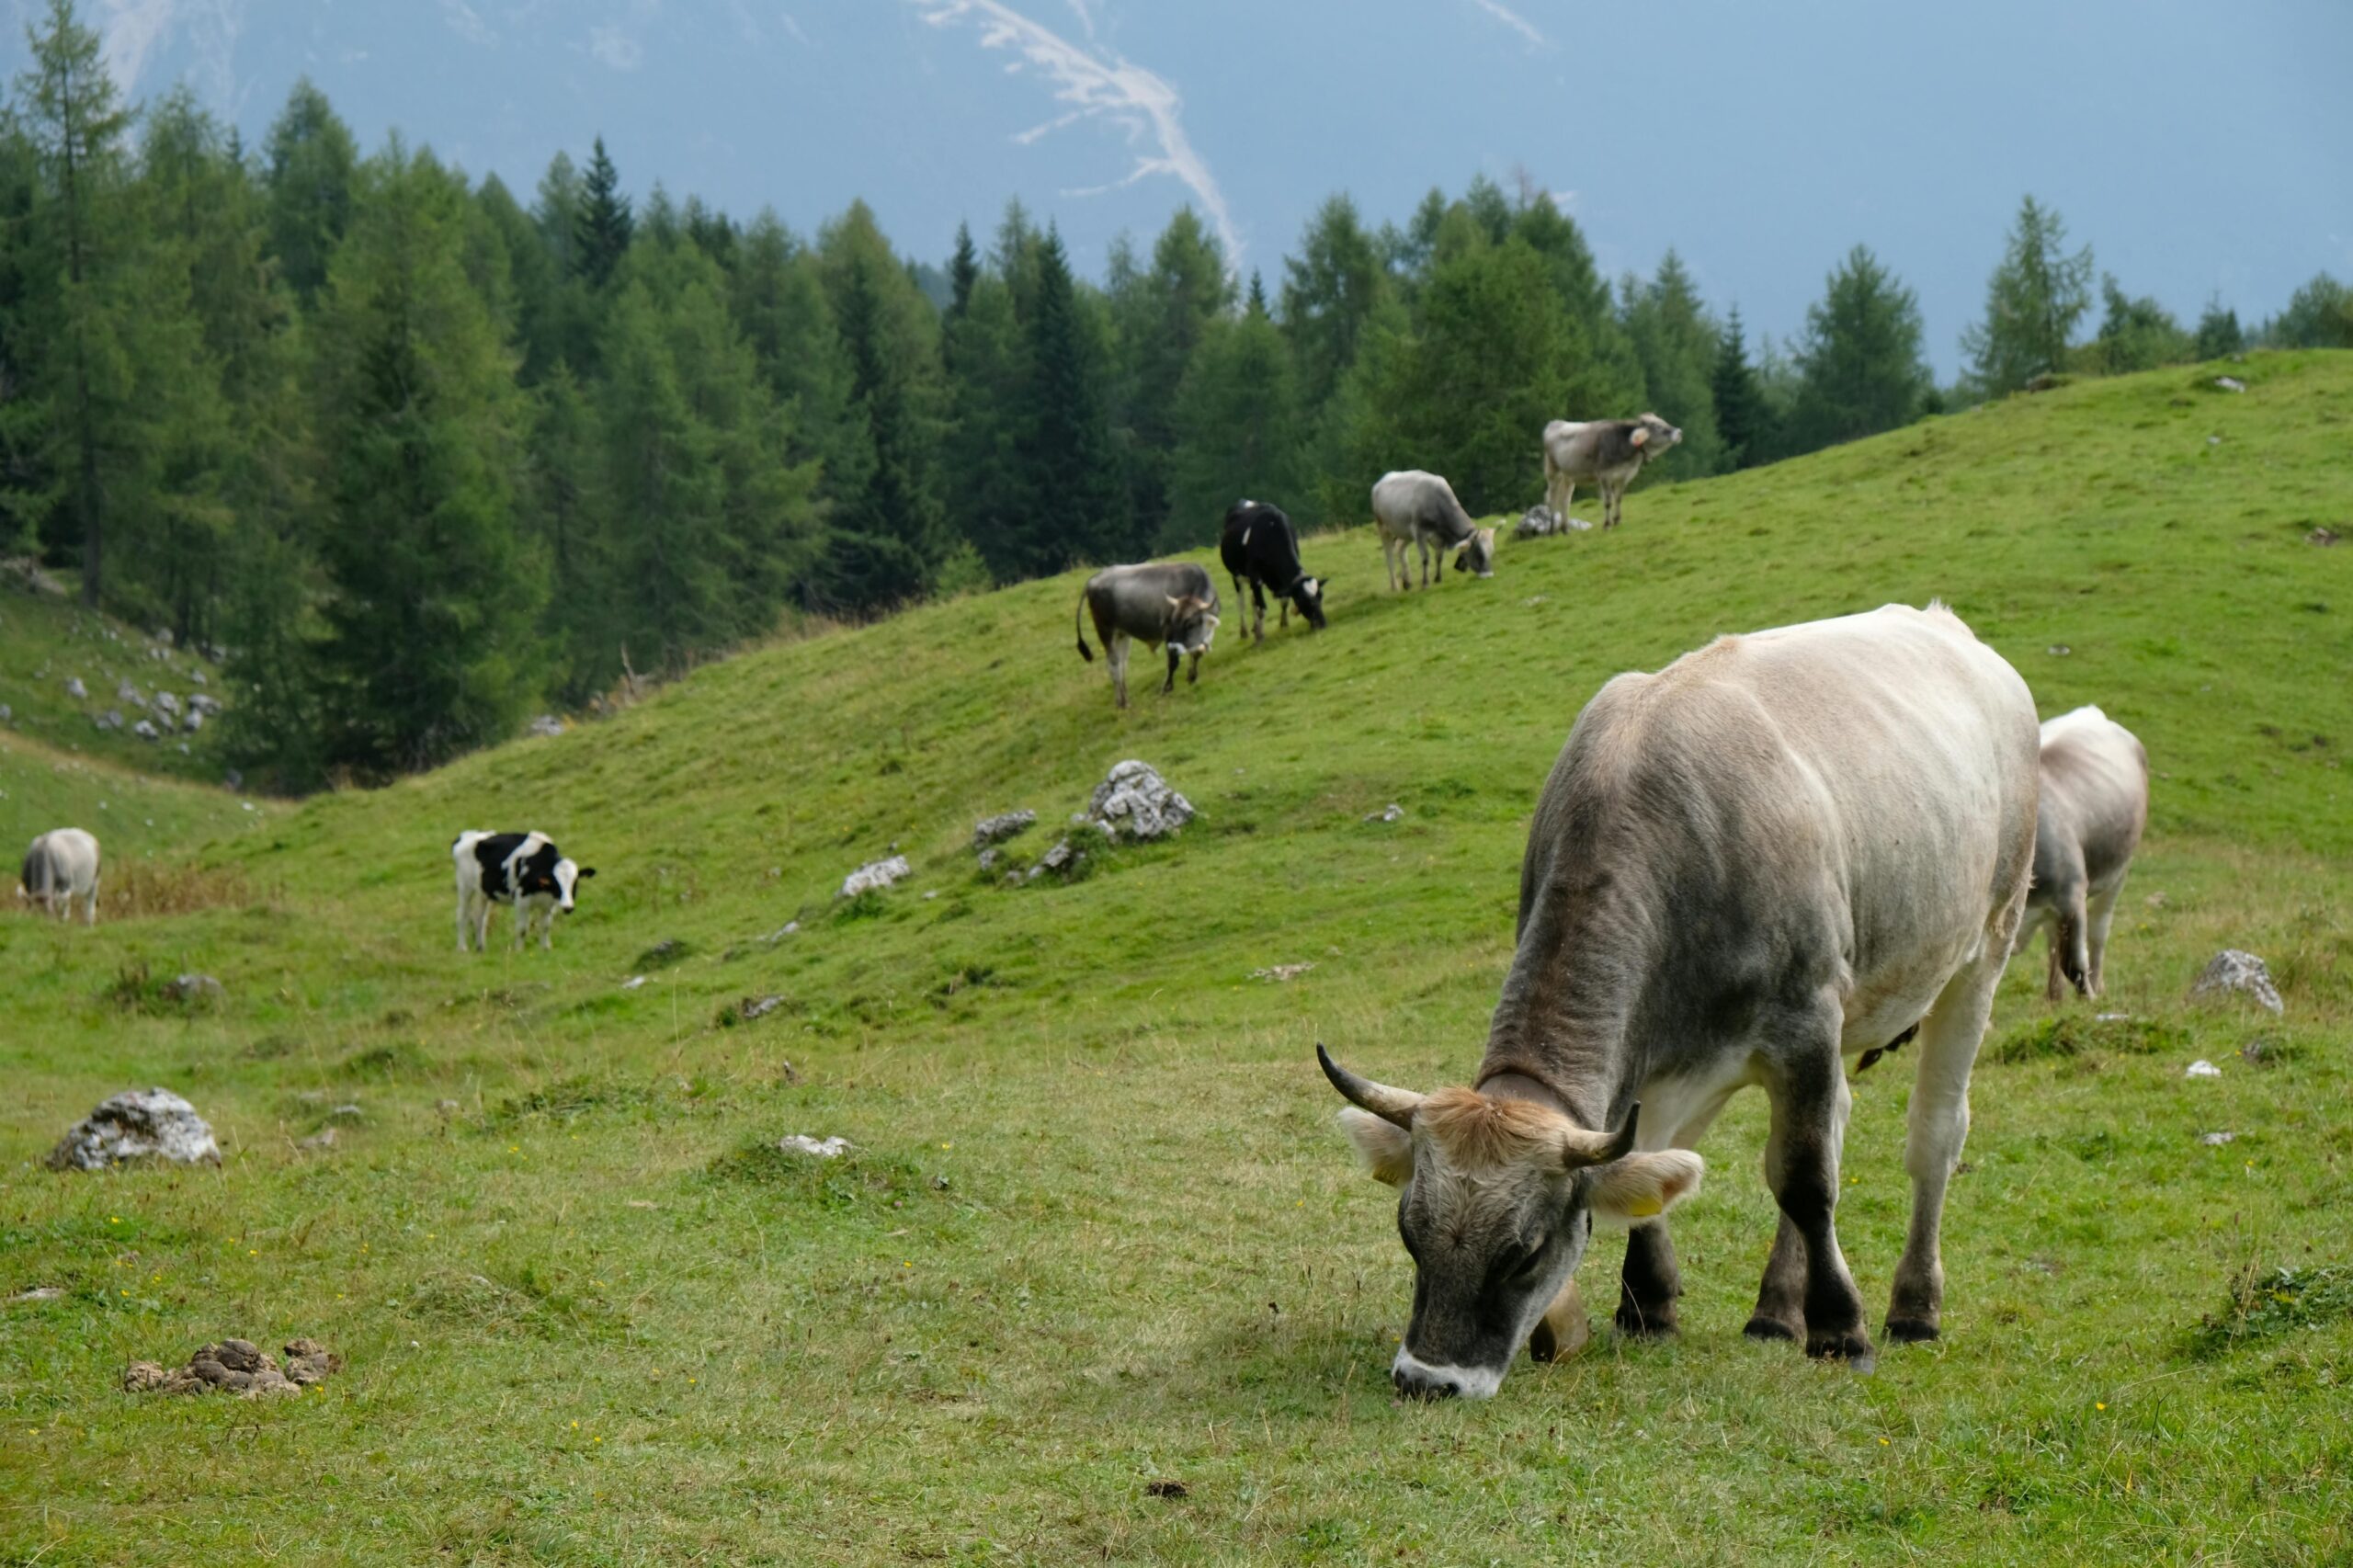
(1192, 621)
(1309, 597)
(1654, 435)
(1497, 1201)
(568, 875)
(1477, 553)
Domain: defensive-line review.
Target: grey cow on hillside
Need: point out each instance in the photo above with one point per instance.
(1608, 453)
(2094, 805)
(1159, 602)
(1414, 508)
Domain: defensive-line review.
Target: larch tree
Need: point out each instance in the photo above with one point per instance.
(2034, 301)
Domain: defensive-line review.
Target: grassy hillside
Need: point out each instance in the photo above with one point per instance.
(1099, 1232)
(47, 641)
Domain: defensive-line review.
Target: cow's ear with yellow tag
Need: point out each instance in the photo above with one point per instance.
(1642, 1186)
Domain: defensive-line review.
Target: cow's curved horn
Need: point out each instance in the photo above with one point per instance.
(1579, 1147)
(1394, 1106)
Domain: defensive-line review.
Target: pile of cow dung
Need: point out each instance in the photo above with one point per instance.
(239, 1366)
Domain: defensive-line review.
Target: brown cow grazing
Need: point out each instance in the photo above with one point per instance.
(1608, 453)
(2095, 805)
(1781, 851)
(1170, 602)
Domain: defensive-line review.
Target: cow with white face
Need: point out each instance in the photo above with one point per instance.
(1608, 453)
(1781, 851)
(525, 870)
(61, 870)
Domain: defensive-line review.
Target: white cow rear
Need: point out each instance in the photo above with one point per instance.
(61, 870)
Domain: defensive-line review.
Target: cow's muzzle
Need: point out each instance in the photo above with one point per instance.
(1418, 1379)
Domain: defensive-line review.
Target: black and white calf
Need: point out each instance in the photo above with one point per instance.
(525, 870)
(1261, 548)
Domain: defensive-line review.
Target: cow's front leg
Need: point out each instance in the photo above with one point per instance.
(1193, 670)
(1175, 658)
(1258, 621)
(1649, 1284)
(1810, 1107)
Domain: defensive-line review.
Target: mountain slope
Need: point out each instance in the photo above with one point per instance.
(1098, 1230)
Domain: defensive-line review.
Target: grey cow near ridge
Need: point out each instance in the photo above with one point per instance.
(2095, 805)
(1159, 602)
(1608, 453)
(1415, 508)
(1784, 849)
(61, 869)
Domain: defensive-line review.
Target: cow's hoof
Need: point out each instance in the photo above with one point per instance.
(1657, 1323)
(1772, 1328)
(1854, 1349)
(1912, 1331)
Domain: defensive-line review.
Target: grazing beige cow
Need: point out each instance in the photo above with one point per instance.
(2095, 805)
(1414, 509)
(1781, 851)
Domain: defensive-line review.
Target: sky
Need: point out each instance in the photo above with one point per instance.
(2201, 151)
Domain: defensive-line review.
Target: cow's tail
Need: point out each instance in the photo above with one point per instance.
(1079, 619)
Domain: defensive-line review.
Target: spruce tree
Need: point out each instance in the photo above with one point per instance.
(1238, 429)
(1071, 468)
(2136, 335)
(312, 162)
(603, 226)
(1492, 356)
(1860, 365)
(1330, 291)
(1743, 420)
(431, 601)
(2033, 303)
(1677, 344)
(2219, 333)
(891, 535)
(1163, 314)
(963, 271)
(85, 351)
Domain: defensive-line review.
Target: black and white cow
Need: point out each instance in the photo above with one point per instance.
(1261, 548)
(525, 870)
(1172, 602)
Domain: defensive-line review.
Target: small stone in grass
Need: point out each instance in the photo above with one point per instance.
(2202, 1068)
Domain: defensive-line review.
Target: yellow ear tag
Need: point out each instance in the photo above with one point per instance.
(1642, 1208)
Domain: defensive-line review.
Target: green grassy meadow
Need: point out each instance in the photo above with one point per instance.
(1099, 1232)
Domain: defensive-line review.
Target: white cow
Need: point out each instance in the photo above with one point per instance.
(2095, 805)
(1782, 850)
(60, 869)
